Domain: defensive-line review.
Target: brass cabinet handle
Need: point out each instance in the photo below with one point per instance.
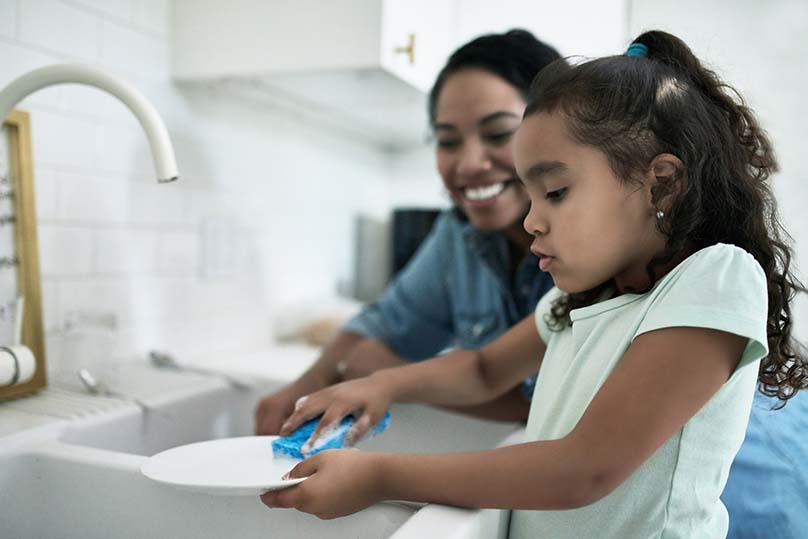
(409, 50)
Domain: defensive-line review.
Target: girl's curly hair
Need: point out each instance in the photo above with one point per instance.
(635, 108)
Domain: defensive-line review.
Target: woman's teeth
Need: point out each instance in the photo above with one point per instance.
(483, 193)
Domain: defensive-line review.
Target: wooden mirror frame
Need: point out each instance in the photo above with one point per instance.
(21, 166)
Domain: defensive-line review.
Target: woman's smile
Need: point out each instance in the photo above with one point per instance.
(482, 196)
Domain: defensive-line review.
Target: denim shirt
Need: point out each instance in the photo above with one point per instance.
(767, 490)
(456, 291)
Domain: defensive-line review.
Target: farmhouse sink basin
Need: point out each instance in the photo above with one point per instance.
(84, 480)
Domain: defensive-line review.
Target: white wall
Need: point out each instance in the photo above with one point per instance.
(262, 215)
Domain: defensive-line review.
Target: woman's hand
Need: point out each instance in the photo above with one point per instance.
(367, 399)
(340, 482)
(273, 409)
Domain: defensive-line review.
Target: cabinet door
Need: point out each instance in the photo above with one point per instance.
(415, 39)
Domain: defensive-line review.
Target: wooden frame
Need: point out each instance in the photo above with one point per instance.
(21, 166)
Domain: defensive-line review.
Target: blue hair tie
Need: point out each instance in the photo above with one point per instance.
(637, 49)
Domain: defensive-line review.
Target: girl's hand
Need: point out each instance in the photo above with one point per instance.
(366, 399)
(340, 482)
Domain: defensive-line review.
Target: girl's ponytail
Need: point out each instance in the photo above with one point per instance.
(670, 50)
(781, 373)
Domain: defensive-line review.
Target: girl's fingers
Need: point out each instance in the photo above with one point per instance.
(300, 402)
(303, 412)
(304, 468)
(330, 420)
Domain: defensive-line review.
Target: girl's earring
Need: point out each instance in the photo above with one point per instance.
(660, 215)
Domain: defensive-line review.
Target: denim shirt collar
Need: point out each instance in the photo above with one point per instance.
(527, 285)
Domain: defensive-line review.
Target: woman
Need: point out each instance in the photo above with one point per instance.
(474, 276)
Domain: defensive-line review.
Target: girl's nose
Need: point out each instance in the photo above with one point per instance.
(534, 224)
(473, 159)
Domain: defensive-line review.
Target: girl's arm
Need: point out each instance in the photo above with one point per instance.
(459, 378)
(654, 390)
(371, 355)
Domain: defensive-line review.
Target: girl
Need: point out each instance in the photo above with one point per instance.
(650, 209)
(475, 107)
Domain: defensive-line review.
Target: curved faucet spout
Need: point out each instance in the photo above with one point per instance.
(159, 142)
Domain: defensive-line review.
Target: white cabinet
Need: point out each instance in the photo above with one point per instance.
(365, 65)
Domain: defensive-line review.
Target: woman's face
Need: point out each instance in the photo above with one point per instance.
(476, 116)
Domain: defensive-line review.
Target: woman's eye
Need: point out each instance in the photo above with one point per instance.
(448, 144)
(555, 196)
(499, 138)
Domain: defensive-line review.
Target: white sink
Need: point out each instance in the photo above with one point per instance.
(84, 481)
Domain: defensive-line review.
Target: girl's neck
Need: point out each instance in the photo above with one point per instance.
(643, 282)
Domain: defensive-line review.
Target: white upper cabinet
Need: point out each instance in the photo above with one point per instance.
(364, 65)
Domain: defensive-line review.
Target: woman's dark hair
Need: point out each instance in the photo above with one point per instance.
(516, 56)
(634, 108)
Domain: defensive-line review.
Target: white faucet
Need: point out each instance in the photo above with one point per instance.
(161, 149)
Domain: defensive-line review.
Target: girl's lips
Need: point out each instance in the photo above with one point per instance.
(545, 261)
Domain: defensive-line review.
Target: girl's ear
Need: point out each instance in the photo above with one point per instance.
(666, 179)
(666, 166)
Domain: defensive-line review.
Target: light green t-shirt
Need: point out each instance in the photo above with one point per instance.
(675, 493)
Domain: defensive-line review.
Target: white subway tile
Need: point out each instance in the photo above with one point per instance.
(92, 199)
(120, 9)
(153, 203)
(95, 296)
(64, 250)
(151, 15)
(125, 251)
(133, 52)
(122, 148)
(63, 140)
(50, 306)
(212, 203)
(178, 253)
(8, 18)
(59, 27)
(53, 355)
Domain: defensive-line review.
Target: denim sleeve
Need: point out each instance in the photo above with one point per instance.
(413, 315)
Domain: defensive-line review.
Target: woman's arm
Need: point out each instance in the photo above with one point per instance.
(458, 378)
(654, 390)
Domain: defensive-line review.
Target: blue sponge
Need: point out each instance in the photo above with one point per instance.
(289, 446)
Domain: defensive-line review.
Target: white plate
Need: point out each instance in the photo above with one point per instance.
(229, 467)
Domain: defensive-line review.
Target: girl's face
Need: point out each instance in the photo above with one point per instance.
(476, 116)
(589, 226)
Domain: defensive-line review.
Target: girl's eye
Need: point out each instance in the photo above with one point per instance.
(557, 195)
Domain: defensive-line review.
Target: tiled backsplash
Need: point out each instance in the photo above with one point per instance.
(262, 214)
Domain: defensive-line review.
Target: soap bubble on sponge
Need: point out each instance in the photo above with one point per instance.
(334, 437)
